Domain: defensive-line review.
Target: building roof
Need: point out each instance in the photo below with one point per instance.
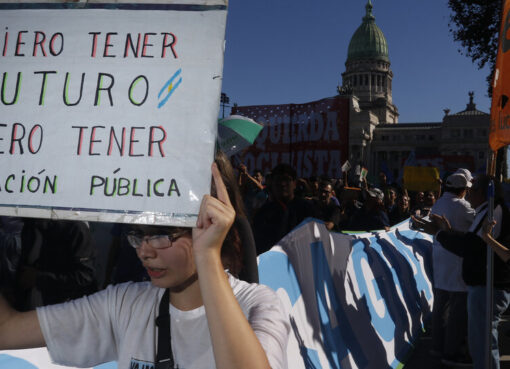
(470, 108)
(368, 42)
(409, 125)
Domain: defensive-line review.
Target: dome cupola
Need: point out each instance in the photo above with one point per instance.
(368, 42)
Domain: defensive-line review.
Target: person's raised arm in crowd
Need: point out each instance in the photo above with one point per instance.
(502, 251)
(245, 178)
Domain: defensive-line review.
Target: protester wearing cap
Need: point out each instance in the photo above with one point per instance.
(372, 216)
(459, 180)
(449, 314)
(466, 173)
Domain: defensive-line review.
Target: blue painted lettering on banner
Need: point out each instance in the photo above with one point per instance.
(420, 244)
(276, 271)
(334, 344)
(377, 247)
(367, 284)
(419, 273)
(403, 276)
(398, 292)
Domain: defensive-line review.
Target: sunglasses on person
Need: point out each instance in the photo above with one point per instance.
(157, 241)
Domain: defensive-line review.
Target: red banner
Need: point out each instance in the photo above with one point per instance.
(311, 137)
(499, 135)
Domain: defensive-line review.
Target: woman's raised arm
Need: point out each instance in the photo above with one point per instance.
(234, 342)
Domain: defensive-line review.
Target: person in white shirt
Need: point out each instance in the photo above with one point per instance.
(449, 313)
(472, 248)
(215, 320)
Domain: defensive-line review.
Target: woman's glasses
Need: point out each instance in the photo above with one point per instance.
(159, 241)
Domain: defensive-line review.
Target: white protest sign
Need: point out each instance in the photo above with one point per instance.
(109, 112)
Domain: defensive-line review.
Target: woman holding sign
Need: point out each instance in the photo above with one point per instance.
(192, 315)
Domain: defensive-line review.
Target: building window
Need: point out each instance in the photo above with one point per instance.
(455, 133)
(385, 138)
(481, 132)
(481, 155)
(468, 133)
(432, 137)
(393, 156)
(366, 79)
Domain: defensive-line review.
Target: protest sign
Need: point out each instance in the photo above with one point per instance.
(109, 111)
(421, 178)
(313, 137)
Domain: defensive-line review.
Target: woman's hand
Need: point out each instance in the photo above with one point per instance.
(215, 218)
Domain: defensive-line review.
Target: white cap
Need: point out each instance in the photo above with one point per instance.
(466, 173)
(457, 180)
(376, 193)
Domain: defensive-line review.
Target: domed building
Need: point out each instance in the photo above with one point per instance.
(375, 138)
(361, 124)
(368, 71)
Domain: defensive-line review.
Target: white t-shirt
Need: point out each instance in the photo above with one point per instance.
(118, 324)
(447, 267)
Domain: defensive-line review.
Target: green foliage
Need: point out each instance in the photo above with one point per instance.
(475, 24)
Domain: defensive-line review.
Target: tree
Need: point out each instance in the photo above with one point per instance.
(475, 24)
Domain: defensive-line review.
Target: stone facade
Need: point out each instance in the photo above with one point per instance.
(377, 139)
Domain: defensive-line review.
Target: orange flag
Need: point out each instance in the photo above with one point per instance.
(499, 135)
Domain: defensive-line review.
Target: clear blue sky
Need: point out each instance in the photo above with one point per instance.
(294, 51)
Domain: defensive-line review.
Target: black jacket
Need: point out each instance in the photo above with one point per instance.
(473, 251)
(66, 259)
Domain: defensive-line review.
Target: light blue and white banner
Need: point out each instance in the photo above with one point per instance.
(354, 301)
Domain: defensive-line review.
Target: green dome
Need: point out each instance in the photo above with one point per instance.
(368, 42)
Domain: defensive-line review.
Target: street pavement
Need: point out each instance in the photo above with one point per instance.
(421, 359)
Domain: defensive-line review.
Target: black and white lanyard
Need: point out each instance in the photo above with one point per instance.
(164, 355)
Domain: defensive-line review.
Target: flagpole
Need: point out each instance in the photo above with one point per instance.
(489, 285)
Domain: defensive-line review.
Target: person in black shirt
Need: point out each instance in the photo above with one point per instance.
(325, 207)
(283, 212)
(401, 210)
(372, 215)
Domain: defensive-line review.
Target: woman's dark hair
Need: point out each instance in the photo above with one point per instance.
(231, 254)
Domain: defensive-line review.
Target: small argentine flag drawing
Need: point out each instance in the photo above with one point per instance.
(170, 87)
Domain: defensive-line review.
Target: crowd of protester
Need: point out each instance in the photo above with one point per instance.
(45, 261)
(282, 201)
(278, 201)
